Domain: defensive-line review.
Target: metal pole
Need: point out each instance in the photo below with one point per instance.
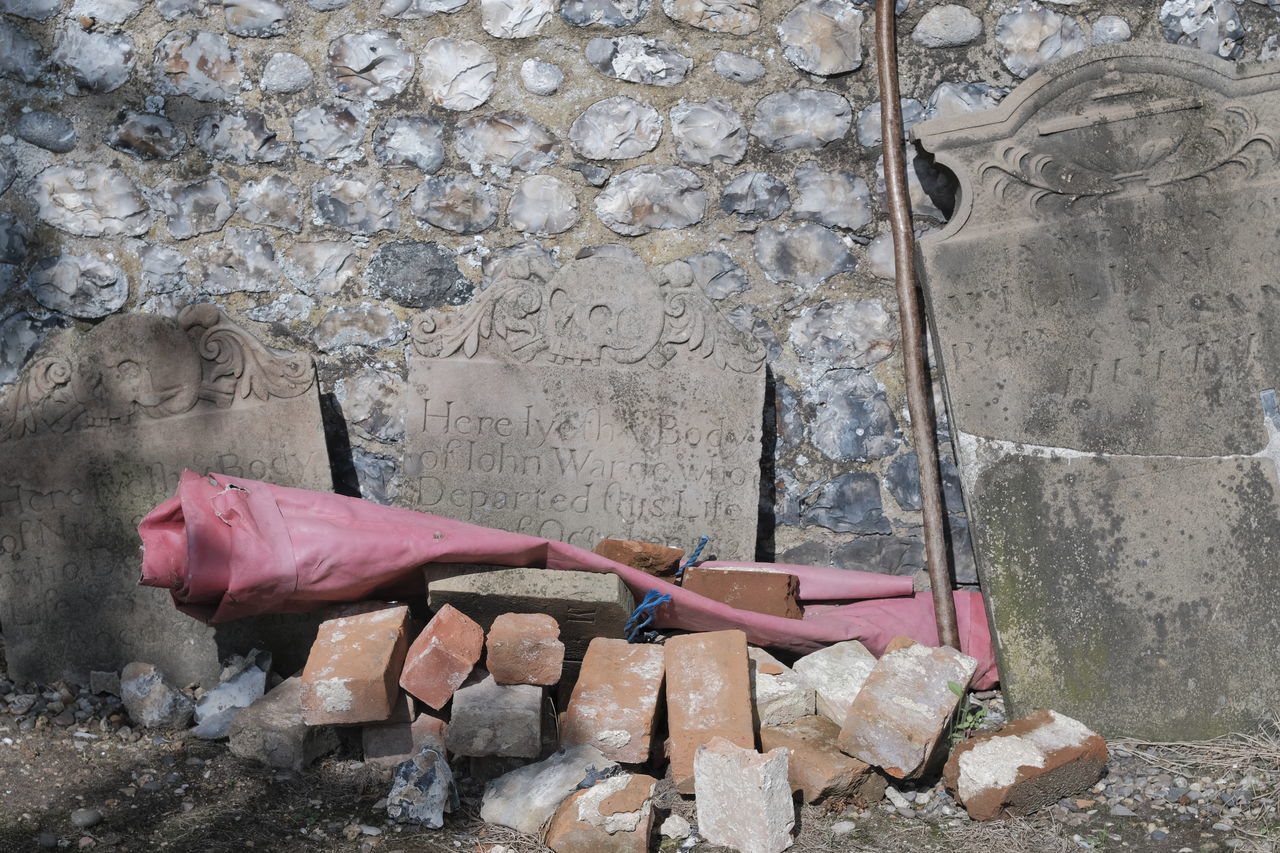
(911, 321)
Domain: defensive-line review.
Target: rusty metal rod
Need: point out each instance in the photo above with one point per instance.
(911, 321)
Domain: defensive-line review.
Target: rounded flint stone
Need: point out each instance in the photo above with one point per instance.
(457, 74)
(98, 62)
(806, 254)
(756, 196)
(646, 198)
(82, 286)
(48, 131)
(416, 141)
(330, 132)
(286, 73)
(708, 132)
(199, 64)
(616, 128)
(638, 60)
(355, 206)
(1030, 36)
(515, 19)
(373, 65)
(90, 200)
(540, 78)
(735, 17)
(947, 26)
(737, 67)
(823, 37)
(21, 57)
(146, 136)
(608, 13)
(417, 275)
(543, 205)
(831, 196)
(511, 140)
(801, 119)
(457, 203)
(255, 18)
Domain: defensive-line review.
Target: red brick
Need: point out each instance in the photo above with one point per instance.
(615, 701)
(389, 744)
(818, 768)
(708, 696)
(613, 816)
(757, 590)
(902, 641)
(442, 657)
(654, 559)
(525, 648)
(350, 676)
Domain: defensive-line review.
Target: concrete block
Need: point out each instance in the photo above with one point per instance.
(744, 798)
(818, 769)
(708, 696)
(778, 692)
(355, 662)
(615, 815)
(755, 589)
(526, 798)
(442, 657)
(271, 731)
(836, 674)
(657, 560)
(524, 648)
(615, 702)
(496, 719)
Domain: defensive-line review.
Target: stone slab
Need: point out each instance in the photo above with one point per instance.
(599, 400)
(95, 433)
(1106, 320)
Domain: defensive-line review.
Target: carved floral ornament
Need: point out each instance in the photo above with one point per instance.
(139, 366)
(607, 308)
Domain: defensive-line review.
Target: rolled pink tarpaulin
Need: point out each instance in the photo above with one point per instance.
(227, 548)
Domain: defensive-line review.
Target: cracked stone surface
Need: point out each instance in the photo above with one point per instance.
(854, 334)
(510, 140)
(146, 136)
(191, 208)
(320, 268)
(273, 201)
(373, 65)
(540, 78)
(543, 205)
(637, 59)
(286, 73)
(880, 258)
(823, 37)
(373, 404)
(46, 130)
(737, 67)
(97, 62)
(415, 140)
(413, 10)
(801, 119)
(457, 74)
(869, 121)
(1213, 26)
(21, 57)
(164, 269)
(734, 17)
(417, 274)
(608, 13)
(947, 26)
(849, 503)
(458, 203)
(330, 133)
(831, 196)
(756, 196)
(90, 200)
(515, 19)
(1110, 29)
(717, 275)
(199, 64)
(616, 128)
(956, 98)
(354, 205)
(1030, 36)
(81, 286)
(708, 132)
(244, 261)
(363, 325)
(240, 137)
(807, 254)
(255, 18)
(640, 200)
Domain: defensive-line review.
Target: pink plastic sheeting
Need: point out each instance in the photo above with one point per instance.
(227, 548)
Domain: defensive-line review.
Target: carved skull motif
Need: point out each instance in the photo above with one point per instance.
(153, 369)
(588, 314)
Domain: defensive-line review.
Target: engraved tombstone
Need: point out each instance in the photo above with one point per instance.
(93, 435)
(600, 399)
(1106, 301)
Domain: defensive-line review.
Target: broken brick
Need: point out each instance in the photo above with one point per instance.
(744, 800)
(524, 648)
(615, 702)
(755, 589)
(615, 815)
(818, 769)
(351, 673)
(657, 560)
(708, 696)
(442, 657)
(836, 674)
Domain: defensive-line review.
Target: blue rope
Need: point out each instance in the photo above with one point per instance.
(693, 558)
(643, 616)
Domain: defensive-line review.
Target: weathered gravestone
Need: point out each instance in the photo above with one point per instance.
(93, 435)
(600, 399)
(1107, 306)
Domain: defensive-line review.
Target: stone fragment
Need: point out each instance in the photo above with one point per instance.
(1031, 36)
(637, 59)
(816, 767)
(524, 648)
(805, 254)
(392, 744)
(646, 198)
(756, 196)
(457, 74)
(373, 65)
(900, 716)
(801, 119)
(608, 13)
(543, 205)
(243, 261)
(1028, 764)
(515, 19)
(854, 421)
(831, 197)
(675, 827)
(20, 335)
(1213, 26)
(617, 128)
(836, 674)
(82, 286)
(823, 37)
(287, 308)
(614, 704)
(273, 201)
(285, 73)
(199, 64)
(869, 121)
(417, 274)
(1110, 29)
(146, 136)
(320, 268)
(779, 694)
(239, 137)
(163, 269)
(757, 590)
(526, 798)
(849, 503)
(717, 274)
(36, 10)
(98, 62)
(743, 797)
(615, 815)
(21, 57)
(509, 140)
(255, 18)
(355, 661)
(948, 25)
(708, 132)
(372, 404)
(496, 719)
(442, 657)
(880, 257)
(416, 141)
(46, 130)
(150, 701)
(355, 206)
(242, 683)
(654, 559)
(595, 175)
(171, 10)
(413, 10)
(457, 203)
(540, 78)
(362, 325)
(113, 12)
(735, 17)
(331, 132)
(190, 209)
(957, 98)
(858, 333)
(737, 67)
(423, 789)
(708, 696)
(271, 731)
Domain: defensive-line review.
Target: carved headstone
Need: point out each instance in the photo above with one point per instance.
(93, 435)
(1107, 314)
(600, 399)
